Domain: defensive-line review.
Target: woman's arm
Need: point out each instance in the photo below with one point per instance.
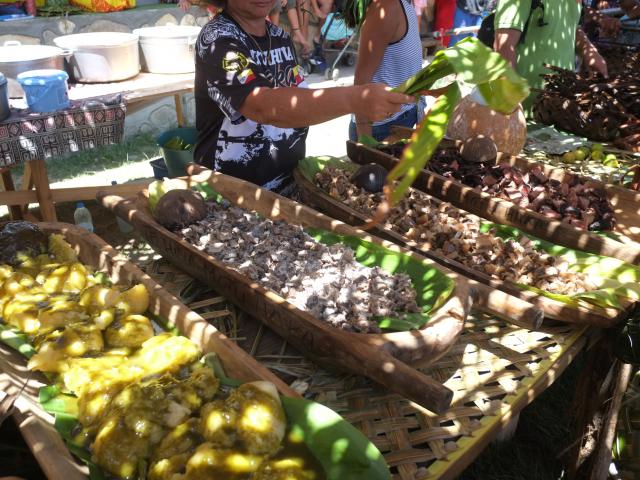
(291, 107)
(379, 29)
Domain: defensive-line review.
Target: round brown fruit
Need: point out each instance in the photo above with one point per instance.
(479, 149)
(179, 208)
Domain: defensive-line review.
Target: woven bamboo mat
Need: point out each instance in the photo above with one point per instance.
(495, 370)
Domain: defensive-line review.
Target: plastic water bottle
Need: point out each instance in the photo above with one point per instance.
(124, 227)
(82, 217)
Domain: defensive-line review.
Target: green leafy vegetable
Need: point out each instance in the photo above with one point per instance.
(472, 63)
(423, 143)
(177, 143)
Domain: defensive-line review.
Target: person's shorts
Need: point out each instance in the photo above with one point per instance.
(277, 8)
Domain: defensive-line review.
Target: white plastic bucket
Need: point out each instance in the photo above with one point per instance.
(168, 49)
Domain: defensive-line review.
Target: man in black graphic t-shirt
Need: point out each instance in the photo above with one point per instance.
(232, 64)
(251, 117)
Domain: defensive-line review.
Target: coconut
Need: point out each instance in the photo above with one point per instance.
(479, 149)
(21, 237)
(180, 208)
(370, 177)
(470, 119)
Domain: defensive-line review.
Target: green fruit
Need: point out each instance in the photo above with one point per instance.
(597, 147)
(580, 155)
(597, 155)
(569, 157)
(611, 161)
(585, 150)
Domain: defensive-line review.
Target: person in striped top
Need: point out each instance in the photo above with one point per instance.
(390, 52)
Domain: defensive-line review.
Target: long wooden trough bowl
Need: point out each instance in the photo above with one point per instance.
(387, 358)
(36, 425)
(588, 314)
(507, 213)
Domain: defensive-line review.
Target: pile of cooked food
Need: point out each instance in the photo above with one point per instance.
(147, 406)
(574, 202)
(325, 280)
(454, 234)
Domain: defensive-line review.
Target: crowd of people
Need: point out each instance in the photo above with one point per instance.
(253, 110)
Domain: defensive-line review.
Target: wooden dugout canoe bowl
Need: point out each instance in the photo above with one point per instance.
(389, 358)
(588, 314)
(507, 213)
(36, 425)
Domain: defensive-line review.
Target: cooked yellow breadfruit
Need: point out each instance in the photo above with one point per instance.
(169, 468)
(219, 424)
(261, 419)
(5, 272)
(66, 278)
(98, 297)
(74, 341)
(61, 250)
(211, 462)
(118, 449)
(59, 313)
(284, 469)
(21, 311)
(15, 283)
(134, 301)
(130, 331)
(182, 439)
(165, 353)
(104, 318)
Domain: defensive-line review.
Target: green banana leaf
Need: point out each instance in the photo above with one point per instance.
(310, 166)
(433, 287)
(423, 143)
(615, 278)
(17, 340)
(472, 63)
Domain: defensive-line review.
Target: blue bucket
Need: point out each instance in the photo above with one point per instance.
(46, 90)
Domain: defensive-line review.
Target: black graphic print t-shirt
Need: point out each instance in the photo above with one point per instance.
(229, 66)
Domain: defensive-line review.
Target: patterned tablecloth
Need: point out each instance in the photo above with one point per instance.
(84, 125)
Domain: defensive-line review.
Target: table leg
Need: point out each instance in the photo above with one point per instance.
(43, 190)
(179, 113)
(15, 212)
(27, 183)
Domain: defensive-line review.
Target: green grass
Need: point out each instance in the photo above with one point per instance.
(135, 149)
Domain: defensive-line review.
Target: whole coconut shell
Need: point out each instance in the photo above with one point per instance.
(370, 177)
(21, 237)
(180, 208)
(509, 132)
(479, 149)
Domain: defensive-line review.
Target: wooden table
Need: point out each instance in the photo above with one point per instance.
(137, 92)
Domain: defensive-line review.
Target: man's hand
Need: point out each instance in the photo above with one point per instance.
(376, 102)
(592, 61)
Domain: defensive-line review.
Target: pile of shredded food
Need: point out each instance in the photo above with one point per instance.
(325, 281)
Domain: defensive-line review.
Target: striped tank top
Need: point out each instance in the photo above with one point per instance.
(402, 59)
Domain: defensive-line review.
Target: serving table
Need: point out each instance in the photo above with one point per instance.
(106, 126)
